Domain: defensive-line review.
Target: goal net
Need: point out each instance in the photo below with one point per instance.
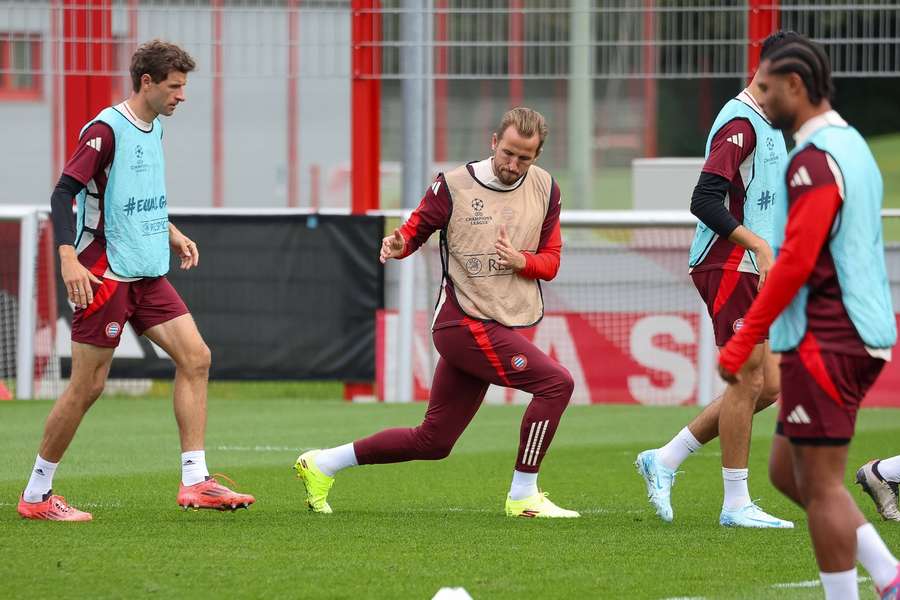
(29, 364)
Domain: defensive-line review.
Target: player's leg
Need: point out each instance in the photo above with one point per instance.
(455, 398)
(504, 357)
(735, 424)
(705, 427)
(163, 318)
(821, 396)
(839, 531)
(781, 468)
(96, 331)
(90, 366)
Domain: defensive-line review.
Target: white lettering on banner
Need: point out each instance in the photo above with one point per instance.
(680, 367)
(626, 376)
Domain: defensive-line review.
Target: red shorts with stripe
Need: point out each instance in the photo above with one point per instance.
(728, 296)
(821, 393)
(145, 303)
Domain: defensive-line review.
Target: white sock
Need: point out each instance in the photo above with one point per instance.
(193, 467)
(875, 556)
(332, 460)
(41, 480)
(736, 492)
(841, 585)
(524, 485)
(889, 469)
(679, 448)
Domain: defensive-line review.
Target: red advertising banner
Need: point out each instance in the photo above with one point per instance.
(614, 357)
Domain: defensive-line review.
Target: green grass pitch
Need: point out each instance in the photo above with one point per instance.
(399, 531)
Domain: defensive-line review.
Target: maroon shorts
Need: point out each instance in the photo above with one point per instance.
(145, 303)
(728, 296)
(821, 392)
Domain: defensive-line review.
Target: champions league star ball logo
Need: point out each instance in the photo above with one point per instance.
(113, 329)
(477, 205)
(139, 153)
(770, 144)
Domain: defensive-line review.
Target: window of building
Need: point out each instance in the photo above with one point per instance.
(20, 66)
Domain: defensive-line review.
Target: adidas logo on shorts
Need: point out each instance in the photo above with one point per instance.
(799, 416)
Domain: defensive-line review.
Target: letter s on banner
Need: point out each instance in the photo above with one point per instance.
(679, 366)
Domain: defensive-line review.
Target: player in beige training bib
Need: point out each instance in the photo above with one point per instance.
(499, 225)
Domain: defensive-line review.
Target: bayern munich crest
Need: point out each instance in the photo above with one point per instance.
(736, 326)
(519, 362)
(113, 329)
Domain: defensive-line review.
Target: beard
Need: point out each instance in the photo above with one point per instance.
(507, 177)
(783, 121)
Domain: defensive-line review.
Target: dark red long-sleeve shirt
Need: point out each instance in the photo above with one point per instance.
(433, 214)
(815, 188)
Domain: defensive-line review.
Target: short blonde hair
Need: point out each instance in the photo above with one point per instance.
(527, 122)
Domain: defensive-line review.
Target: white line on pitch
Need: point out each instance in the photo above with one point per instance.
(809, 584)
(258, 448)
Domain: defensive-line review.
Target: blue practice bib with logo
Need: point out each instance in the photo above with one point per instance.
(135, 217)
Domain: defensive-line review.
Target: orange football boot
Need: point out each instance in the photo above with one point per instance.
(52, 508)
(212, 494)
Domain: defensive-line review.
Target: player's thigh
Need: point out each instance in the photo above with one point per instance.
(500, 355)
(455, 397)
(781, 462)
(181, 340)
(818, 467)
(90, 365)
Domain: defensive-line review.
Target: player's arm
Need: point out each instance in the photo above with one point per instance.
(730, 147)
(93, 154)
(184, 246)
(813, 210)
(544, 263)
(433, 213)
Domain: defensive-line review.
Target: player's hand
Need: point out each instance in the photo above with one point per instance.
(78, 281)
(392, 246)
(510, 258)
(728, 376)
(185, 247)
(765, 258)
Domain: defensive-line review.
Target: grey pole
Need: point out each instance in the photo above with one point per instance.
(416, 165)
(581, 107)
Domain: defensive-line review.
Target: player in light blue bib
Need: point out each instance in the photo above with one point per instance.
(114, 258)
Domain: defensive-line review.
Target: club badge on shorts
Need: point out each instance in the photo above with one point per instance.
(113, 329)
(519, 362)
(736, 326)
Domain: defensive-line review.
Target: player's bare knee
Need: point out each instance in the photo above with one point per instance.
(768, 396)
(197, 362)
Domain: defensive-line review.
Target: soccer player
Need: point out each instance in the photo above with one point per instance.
(836, 325)
(113, 261)
(730, 258)
(499, 224)
(880, 479)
